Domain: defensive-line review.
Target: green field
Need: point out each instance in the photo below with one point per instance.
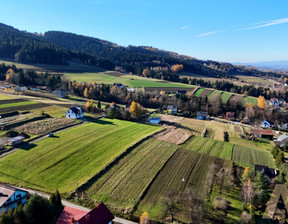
(249, 99)
(18, 104)
(208, 146)
(187, 164)
(225, 96)
(199, 92)
(126, 182)
(126, 80)
(251, 157)
(73, 156)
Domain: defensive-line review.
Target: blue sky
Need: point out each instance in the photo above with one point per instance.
(222, 30)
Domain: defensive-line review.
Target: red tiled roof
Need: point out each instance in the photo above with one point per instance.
(68, 214)
(262, 132)
(100, 215)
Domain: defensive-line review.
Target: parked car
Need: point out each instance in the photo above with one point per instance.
(50, 134)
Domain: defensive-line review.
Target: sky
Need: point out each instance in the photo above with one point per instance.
(221, 30)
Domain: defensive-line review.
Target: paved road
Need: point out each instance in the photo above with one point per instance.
(66, 203)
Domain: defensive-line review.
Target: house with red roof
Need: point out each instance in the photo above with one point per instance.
(99, 215)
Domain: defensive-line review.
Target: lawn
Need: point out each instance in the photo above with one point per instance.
(73, 156)
(251, 157)
(184, 164)
(127, 80)
(123, 185)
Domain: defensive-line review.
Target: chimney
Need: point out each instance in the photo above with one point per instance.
(72, 220)
(87, 217)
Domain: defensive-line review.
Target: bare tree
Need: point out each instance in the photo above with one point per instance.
(193, 206)
(169, 202)
(247, 191)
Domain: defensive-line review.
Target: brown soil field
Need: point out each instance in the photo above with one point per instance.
(173, 135)
(206, 92)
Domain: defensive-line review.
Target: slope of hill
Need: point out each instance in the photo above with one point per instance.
(55, 47)
(28, 48)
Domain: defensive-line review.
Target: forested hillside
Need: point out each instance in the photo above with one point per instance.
(28, 48)
(55, 47)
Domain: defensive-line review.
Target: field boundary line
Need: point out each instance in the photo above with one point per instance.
(134, 208)
(93, 179)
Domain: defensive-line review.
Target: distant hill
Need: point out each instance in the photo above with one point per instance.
(57, 48)
(271, 65)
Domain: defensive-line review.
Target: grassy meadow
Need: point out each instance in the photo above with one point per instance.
(71, 157)
(109, 77)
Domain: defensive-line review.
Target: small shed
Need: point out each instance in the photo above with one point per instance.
(15, 141)
(201, 115)
(154, 120)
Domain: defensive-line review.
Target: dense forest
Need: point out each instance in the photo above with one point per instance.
(55, 47)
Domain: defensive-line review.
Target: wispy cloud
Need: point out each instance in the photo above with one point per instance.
(185, 27)
(265, 24)
(210, 33)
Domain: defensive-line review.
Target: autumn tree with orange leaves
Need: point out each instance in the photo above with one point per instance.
(261, 102)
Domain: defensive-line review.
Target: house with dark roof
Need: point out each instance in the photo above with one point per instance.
(75, 112)
(10, 197)
(267, 124)
(269, 173)
(119, 85)
(269, 134)
(201, 115)
(100, 215)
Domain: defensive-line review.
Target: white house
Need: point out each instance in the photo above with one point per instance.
(173, 109)
(75, 112)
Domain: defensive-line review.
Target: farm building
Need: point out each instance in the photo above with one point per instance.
(266, 171)
(230, 116)
(75, 112)
(267, 124)
(283, 126)
(201, 115)
(173, 109)
(281, 141)
(155, 120)
(262, 133)
(100, 215)
(15, 141)
(10, 197)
